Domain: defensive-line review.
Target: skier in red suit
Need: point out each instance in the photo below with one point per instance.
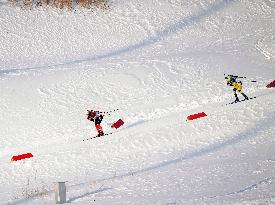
(97, 117)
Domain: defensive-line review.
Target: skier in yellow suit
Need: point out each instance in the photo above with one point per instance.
(231, 80)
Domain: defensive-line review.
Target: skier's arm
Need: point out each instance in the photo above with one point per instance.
(101, 117)
(89, 115)
(90, 118)
(235, 76)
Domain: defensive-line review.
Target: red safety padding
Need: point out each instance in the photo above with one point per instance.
(271, 85)
(196, 116)
(117, 124)
(21, 156)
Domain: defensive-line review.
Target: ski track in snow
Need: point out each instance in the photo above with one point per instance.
(183, 23)
(253, 131)
(266, 181)
(196, 153)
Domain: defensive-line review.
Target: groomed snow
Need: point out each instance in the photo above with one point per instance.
(156, 61)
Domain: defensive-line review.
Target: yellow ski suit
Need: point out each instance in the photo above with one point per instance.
(232, 82)
(237, 85)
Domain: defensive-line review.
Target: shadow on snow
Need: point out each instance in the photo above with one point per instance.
(250, 133)
(88, 194)
(182, 24)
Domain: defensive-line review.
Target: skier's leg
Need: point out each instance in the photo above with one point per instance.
(239, 87)
(245, 96)
(235, 94)
(240, 91)
(99, 129)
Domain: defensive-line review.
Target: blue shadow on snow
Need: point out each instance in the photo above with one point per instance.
(87, 194)
(245, 135)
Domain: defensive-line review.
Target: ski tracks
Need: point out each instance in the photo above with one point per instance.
(191, 134)
(265, 182)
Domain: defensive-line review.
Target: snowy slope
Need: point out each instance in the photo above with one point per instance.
(157, 62)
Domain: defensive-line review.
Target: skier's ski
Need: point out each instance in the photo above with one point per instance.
(239, 101)
(98, 136)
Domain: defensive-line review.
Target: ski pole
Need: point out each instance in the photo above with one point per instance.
(108, 112)
(253, 81)
(235, 76)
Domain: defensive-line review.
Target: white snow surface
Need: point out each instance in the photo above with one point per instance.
(157, 61)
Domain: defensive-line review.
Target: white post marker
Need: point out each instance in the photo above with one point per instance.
(60, 192)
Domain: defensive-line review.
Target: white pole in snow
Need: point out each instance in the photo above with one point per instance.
(60, 192)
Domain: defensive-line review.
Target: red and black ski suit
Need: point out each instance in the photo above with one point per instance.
(97, 117)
